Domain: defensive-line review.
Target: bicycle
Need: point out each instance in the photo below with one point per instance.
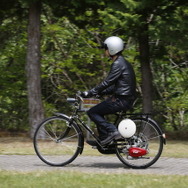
(58, 140)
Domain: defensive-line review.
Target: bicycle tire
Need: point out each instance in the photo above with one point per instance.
(56, 142)
(149, 137)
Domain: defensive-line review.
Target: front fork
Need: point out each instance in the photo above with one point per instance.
(70, 121)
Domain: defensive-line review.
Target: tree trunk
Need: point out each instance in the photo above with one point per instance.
(36, 111)
(145, 68)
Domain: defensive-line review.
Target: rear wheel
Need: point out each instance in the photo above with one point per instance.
(56, 142)
(147, 140)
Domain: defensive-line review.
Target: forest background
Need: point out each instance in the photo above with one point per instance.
(49, 51)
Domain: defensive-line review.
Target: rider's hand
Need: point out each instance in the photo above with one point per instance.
(86, 94)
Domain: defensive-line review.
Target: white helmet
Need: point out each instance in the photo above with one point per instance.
(114, 45)
(127, 128)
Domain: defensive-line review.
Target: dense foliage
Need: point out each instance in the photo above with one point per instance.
(71, 60)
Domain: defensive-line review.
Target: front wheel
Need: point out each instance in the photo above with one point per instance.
(56, 142)
(147, 141)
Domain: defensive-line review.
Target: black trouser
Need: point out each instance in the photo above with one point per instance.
(110, 106)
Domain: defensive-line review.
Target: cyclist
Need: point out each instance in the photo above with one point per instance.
(120, 84)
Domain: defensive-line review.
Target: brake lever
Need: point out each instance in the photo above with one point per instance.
(78, 96)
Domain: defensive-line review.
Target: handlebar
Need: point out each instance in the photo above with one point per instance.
(77, 99)
(82, 104)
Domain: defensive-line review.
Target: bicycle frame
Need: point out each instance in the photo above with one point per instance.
(75, 118)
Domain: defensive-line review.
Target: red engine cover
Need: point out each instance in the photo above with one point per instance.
(137, 152)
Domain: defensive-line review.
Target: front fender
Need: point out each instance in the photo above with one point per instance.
(62, 115)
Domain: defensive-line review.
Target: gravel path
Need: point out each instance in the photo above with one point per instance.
(94, 164)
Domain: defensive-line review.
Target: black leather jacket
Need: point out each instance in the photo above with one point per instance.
(120, 81)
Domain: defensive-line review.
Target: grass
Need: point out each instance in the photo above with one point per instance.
(82, 180)
(24, 146)
(177, 149)
(71, 179)
(16, 146)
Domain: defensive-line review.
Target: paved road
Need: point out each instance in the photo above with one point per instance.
(94, 164)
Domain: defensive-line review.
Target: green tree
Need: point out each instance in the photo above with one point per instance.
(155, 35)
(170, 67)
(13, 103)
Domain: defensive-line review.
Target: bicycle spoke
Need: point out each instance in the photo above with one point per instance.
(60, 146)
(67, 138)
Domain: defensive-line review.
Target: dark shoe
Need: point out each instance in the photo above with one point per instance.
(111, 136)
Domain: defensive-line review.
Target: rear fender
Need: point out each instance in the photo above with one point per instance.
(159, 128)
